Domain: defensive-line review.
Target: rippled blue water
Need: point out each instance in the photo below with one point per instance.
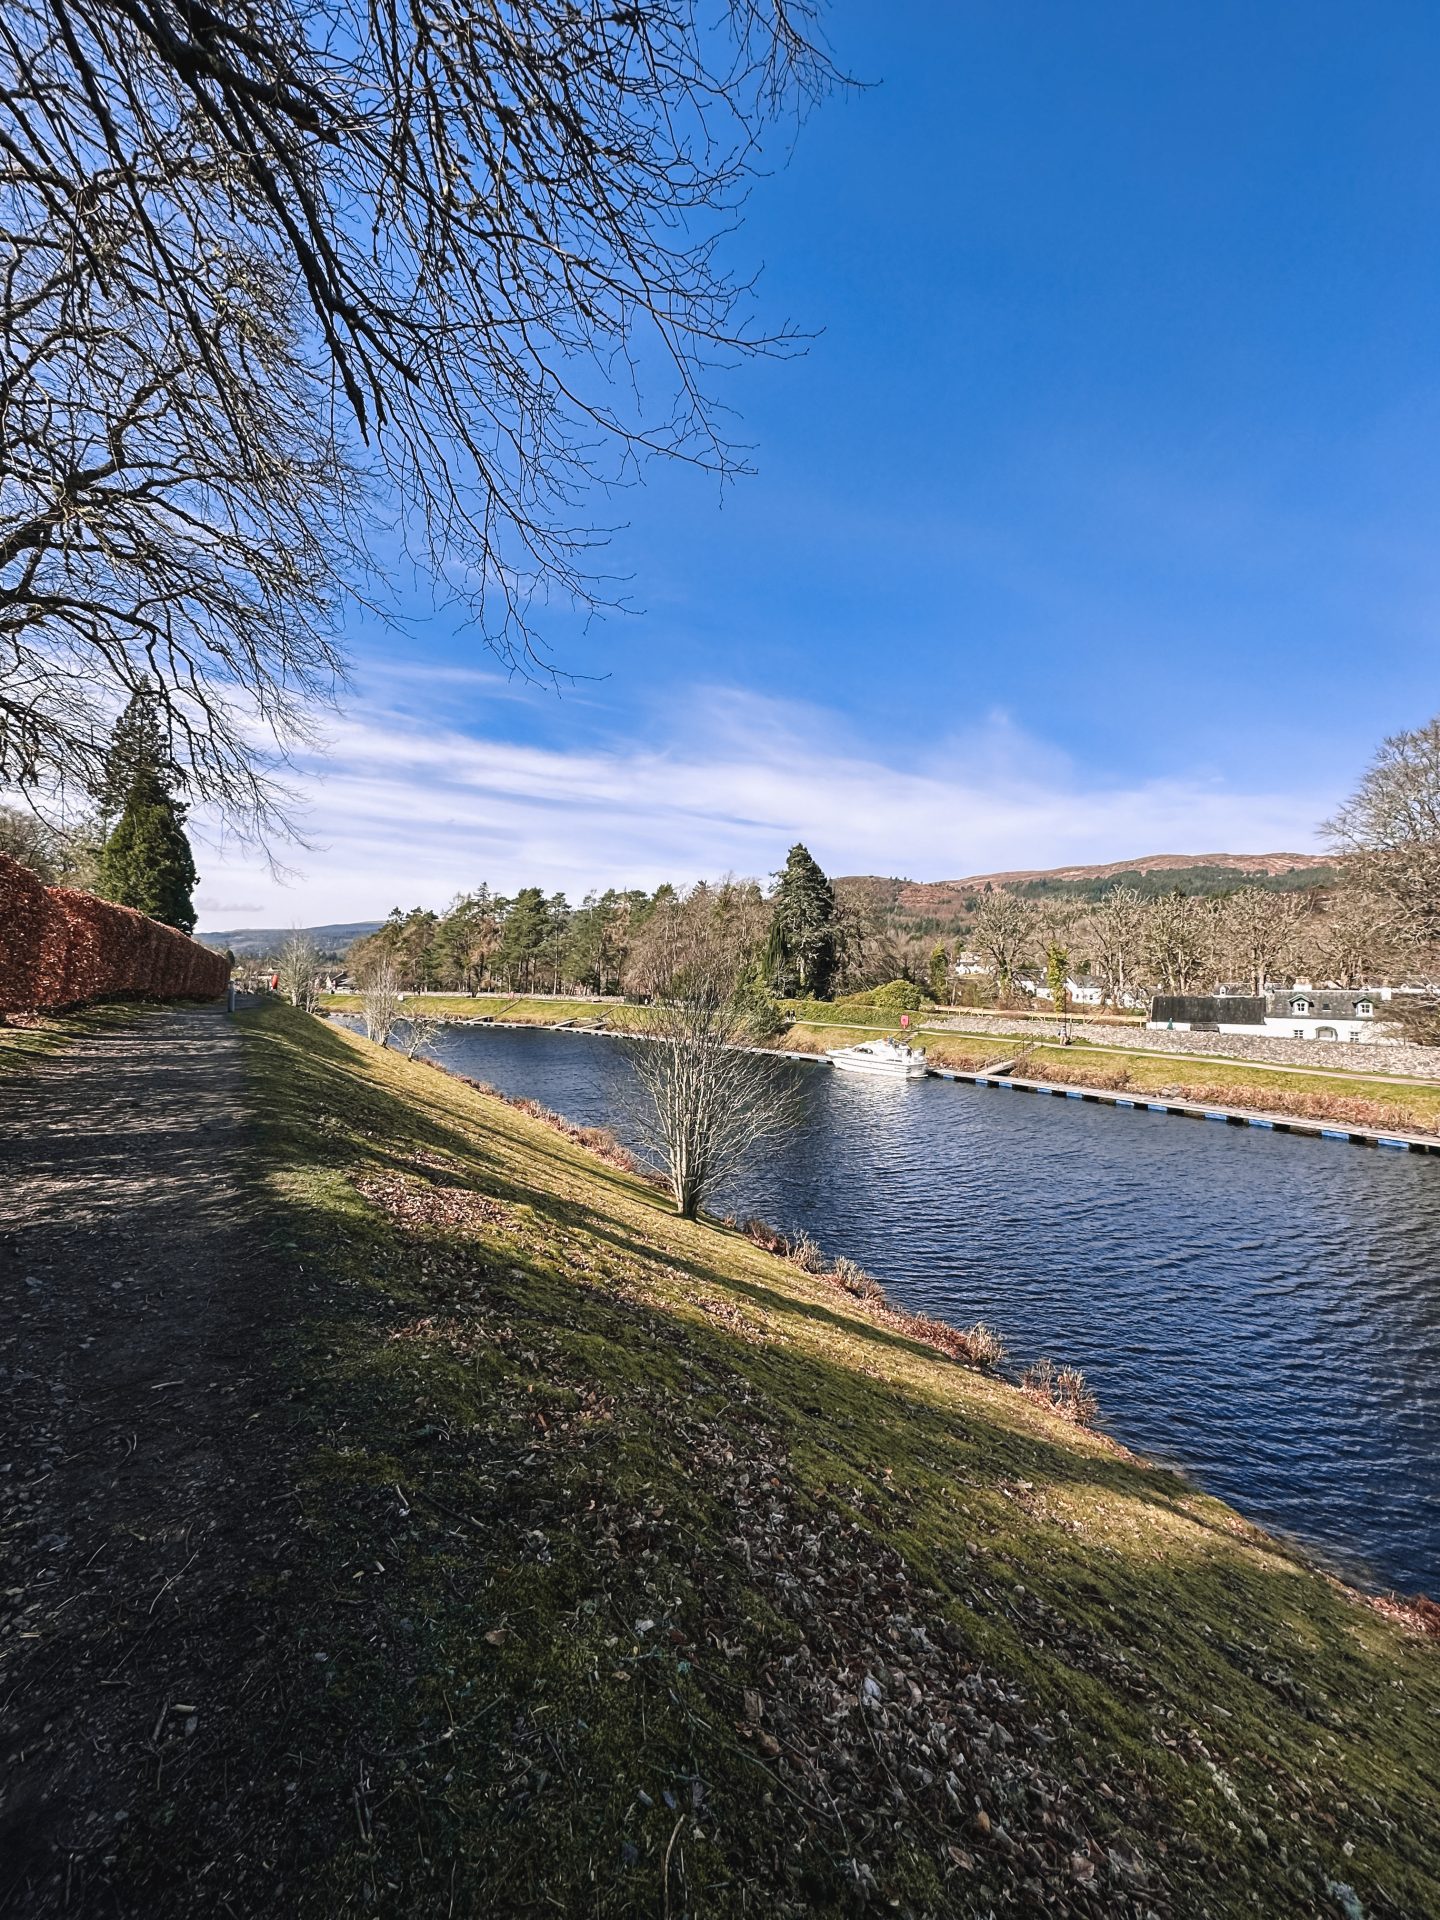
(1260, 1309)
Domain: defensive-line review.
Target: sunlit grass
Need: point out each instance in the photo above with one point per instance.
(1147, 1621)
(50, 1033)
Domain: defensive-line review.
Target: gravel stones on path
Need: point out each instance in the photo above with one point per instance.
(141, 1506)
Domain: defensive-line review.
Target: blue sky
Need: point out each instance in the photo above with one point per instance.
(1098, 520)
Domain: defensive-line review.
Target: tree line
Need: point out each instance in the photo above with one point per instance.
(811, 937)
(619, 941)
(1133, 946)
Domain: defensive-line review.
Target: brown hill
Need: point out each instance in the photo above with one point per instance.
(938, 898)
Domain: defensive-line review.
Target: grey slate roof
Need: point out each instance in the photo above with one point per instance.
(1208, 1010)
(1338, 1002)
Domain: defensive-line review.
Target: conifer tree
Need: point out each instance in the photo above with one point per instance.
(145, 862)
(940, 972)
(522, 943)
(139, 744)
(804, 931)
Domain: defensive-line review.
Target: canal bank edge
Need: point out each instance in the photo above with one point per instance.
(1193, 1110)
(621, 1019)
(619, 1521)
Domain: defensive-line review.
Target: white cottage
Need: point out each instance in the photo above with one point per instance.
(1292, 1013)
(1083, 990)
(1321, 1013)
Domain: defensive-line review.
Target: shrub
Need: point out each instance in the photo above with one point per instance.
(766, 1237)
(765, 1018)
(896, 996)
(1073, 1396)
(1063, 1389)
(60, 947)
(987, 1349)
(850, 1275)
(805, 1254)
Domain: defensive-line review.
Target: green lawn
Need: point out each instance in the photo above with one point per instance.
(647, 1575)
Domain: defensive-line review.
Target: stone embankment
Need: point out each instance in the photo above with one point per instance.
(1419, 1063)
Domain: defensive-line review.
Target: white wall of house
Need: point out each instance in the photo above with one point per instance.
(1078, 995)
(1302, 1021)
(1327, 1027)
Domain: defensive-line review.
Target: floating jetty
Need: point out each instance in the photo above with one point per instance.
(1190, 1110)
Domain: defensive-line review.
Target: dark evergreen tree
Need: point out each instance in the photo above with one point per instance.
(146, 861)
(138, 745)
(804, 946)
(524, 938)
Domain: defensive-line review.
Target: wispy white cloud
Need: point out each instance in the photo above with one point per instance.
(408, 809)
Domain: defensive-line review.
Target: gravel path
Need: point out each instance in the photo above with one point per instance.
(141, 1486)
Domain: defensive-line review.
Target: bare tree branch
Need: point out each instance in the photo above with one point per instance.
(265, 268)
(707, 1100)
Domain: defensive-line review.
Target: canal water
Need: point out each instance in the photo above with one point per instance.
(1260, 1309)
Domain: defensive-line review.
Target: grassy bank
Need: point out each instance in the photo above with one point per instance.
(519, 1009)
(49, 1032)
(644, 1574)
(1345, 1097)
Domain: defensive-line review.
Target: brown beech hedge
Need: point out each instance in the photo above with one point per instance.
(60, 947)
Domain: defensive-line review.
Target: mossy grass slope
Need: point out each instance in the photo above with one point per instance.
(649, 1575)
(48, 1033)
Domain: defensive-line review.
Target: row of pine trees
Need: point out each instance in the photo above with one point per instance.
(612, 942)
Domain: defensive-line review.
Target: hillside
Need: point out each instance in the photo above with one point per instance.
(945, 901)
(943, 904)
(269, 940)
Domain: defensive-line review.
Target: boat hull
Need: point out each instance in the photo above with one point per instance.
(877, 1069)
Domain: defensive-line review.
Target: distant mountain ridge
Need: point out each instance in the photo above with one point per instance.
(332, 939)
(939, 900)
(1249, 863)
(934, 902)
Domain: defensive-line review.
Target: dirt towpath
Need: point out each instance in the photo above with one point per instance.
(142, 1486)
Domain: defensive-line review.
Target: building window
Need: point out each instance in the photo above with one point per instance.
(1364, 1007)
(1326, 1033)
(1299, 1006)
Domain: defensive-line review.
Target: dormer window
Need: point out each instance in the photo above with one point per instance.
(1365, 1007)
(1299, 1006)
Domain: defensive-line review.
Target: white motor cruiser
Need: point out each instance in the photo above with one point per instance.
(888, 1059)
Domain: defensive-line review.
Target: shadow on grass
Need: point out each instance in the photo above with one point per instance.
(1142, 1623)
(317, 1062)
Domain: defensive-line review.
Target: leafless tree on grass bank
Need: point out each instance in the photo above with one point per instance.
(421, 1027)
(1004, 931)
(380, 1003)
(1389, 833)
(299, 971)
(704, 1101)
